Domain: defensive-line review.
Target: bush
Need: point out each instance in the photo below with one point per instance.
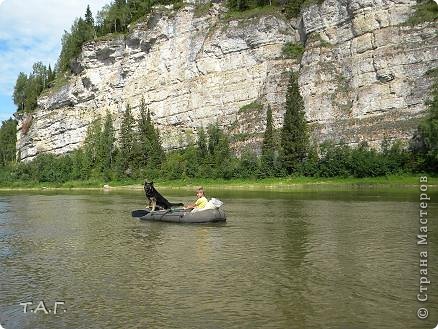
(249, 165)
(425, 11)
(293, 50)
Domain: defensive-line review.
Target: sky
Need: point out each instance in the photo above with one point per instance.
(30, 32)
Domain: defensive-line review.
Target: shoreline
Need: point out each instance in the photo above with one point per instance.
(267, 184)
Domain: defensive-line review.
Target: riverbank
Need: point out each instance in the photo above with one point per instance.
(284, 183)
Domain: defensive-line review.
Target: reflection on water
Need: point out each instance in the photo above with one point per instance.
(283, 260)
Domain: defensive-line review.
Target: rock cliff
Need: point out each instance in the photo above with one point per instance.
(362, 75)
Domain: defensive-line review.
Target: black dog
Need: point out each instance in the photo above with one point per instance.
(156, 199)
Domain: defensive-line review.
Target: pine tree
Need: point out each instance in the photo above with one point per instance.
(50, 76)
(143, 145)
(157, 153)
(127, 141)
(92, 142)
(202, 144)
(294, 136)
(89, 21)
(268, 147)
(89, 17)
(151, 153)
(106, 147)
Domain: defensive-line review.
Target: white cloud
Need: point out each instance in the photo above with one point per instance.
(31, 31)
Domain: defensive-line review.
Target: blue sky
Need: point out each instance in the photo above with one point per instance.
(31, 31)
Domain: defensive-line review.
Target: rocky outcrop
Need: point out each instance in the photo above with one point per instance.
(361, 76)
(363, 72)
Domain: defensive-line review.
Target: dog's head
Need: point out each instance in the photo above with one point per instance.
(149, 188)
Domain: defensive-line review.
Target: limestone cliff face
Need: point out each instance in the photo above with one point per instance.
(363, 73)
(361, 76)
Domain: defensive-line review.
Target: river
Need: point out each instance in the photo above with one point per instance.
(309, 259)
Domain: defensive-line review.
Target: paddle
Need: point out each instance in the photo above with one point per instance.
(143, 212)
(139, 213)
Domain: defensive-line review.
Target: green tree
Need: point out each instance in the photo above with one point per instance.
(268, 147)
(151, 150)
(202, 144)
(127, 144)
(240, 5)
(19, 95)
(92, 154)
(50, 76)
(116, 17)
(40, 75)
(32, 90)
(106, 147)
(294, 136)
(78, 165)
(425, 143)
(214, 134)
(293, 8)
(248, 164)
(157, 155)
(144, 145)
(219, 151)
(8, 139)
(71, 43)
(89, 17)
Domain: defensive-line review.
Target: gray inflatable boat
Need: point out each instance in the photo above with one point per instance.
(183, 216)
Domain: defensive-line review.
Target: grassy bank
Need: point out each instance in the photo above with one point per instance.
(286, 183)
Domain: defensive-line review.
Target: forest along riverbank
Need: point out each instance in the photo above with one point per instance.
(289, 183)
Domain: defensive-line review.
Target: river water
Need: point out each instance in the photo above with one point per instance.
(309, 259)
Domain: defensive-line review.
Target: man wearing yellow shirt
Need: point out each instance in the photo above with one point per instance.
(200, 203)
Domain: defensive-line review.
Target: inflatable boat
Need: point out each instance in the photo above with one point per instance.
(184, 216)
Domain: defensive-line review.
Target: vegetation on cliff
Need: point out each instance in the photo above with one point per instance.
(425, 11)
(290, 8)
(29, 87)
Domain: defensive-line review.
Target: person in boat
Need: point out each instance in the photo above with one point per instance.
(200, 203)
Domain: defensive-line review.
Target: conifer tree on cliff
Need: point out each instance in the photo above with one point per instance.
(294, 136)
(89, 17)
